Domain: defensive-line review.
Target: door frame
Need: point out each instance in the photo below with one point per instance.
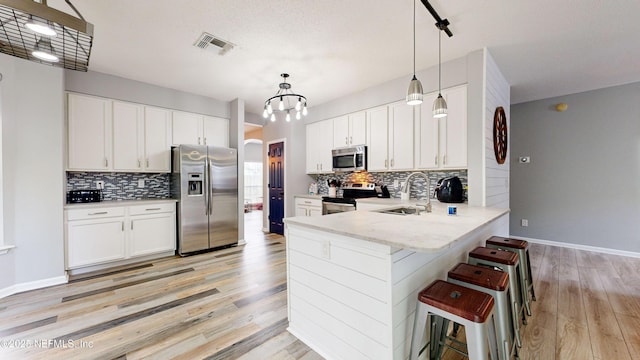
(265, 180)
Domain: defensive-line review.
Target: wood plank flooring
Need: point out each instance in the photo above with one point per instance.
(231, 304)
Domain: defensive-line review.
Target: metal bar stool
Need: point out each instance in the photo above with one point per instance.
(508, 262)
(443, 301)
(522, 248)
(496, 284)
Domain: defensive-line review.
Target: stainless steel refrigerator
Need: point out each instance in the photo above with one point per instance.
(204, 180)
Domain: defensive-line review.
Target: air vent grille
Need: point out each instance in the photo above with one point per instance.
(211, 42)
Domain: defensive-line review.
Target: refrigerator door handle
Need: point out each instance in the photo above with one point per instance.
(206, 188)
(210, 185)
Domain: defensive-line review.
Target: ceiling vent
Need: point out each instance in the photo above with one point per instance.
(211, 42)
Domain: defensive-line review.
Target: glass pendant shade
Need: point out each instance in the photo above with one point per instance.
(304, 110)
(298, 117)
(299, 105)
(273, 117)
(44, 51)
(265, 113)
(439, 107)
(269, 108)
(414, 94)
(281, 105)
(288, 117)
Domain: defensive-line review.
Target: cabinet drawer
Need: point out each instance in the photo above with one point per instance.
(94, 213)
(152, 208)
(308, 202)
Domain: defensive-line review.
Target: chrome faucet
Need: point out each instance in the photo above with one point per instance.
(405, 194)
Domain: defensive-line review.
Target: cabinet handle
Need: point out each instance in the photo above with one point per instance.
(147, 162)
(199, 140)
(106, 162)
(444, 160)
(204, 141)
(320, 167)
(391, 162)
(386, 163)
(139, 163)
(123, 226)
(346, 140)
(307, 202)
(131, 225)
(152, 209)
(435, 160)
(99, 213)
(350, 139)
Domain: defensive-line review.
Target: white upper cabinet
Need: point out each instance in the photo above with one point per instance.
(128, 136)
(215, 131)
(390, 137)
(442, 143)
(187, 128)
(157, 139)
(196, 129)
(90, 133)
(319, 146)
(350, 130)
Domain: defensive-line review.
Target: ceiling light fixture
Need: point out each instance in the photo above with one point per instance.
(49, 29)
(284, 96)
(439, 105)
(414, 94)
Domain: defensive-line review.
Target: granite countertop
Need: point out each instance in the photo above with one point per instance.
(428, 232)
(110, 203)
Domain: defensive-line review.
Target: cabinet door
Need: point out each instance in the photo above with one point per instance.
(357, 128)
(427, 135)
(314, 211)
(152, 234)
(89, 133)
(186, 128)
(128, 136)
(455, 124)
(401, 136)
(341, 131)
(95, 241)
(301, 210)
(325, 146)
(216, 131)
(157, 143)
(377, 138)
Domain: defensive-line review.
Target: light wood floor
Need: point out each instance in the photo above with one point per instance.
(231, 304)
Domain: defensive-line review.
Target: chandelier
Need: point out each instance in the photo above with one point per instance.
(285, 98)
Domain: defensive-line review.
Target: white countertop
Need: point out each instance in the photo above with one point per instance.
(111, 203)
(305, 196)
(427, 232)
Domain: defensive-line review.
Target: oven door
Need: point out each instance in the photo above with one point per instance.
(334, 208)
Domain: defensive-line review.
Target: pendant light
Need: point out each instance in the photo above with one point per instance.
(284, 97)
(414, 94)
(439, 105)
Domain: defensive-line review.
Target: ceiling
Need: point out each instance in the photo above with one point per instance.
(544, 48)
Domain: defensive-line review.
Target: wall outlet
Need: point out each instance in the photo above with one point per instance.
(524, 159)
(524, 222)
(140, 183)
(99, 185)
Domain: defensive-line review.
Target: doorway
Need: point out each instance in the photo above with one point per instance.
(253, 183)
(276, 187)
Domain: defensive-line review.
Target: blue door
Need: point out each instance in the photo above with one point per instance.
(276, 188)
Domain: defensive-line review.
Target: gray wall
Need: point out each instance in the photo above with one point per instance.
(581, 186)
(33, 176)
(114, 87)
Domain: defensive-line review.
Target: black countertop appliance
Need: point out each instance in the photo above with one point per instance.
(449, 190)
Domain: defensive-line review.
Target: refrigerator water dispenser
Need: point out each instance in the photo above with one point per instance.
(195, 184)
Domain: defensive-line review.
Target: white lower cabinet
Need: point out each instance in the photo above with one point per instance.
(308, 207)
(95, 241)
(103, 235)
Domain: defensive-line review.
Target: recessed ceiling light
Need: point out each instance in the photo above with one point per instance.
(40, 26)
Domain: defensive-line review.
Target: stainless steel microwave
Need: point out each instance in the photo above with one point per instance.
(352, 158)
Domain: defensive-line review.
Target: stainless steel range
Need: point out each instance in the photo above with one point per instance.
(350, 192)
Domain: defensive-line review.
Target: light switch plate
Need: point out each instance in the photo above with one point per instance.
(141, 183)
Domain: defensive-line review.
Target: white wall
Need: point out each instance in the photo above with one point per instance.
(581, 186)
(33, 176)
(253, 152)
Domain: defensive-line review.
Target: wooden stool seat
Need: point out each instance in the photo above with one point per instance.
(502, 257)
(467, 303)
(506, 242)
(480, 276)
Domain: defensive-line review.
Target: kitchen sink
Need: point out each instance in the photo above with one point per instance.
(400, 211)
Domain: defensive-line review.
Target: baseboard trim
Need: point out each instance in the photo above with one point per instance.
(32, 285)
(306, 341)
(579, 247)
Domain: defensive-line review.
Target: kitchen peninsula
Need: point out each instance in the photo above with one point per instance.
(353, 277)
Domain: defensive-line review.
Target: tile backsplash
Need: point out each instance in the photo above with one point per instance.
(122, 186)
(418, 186)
